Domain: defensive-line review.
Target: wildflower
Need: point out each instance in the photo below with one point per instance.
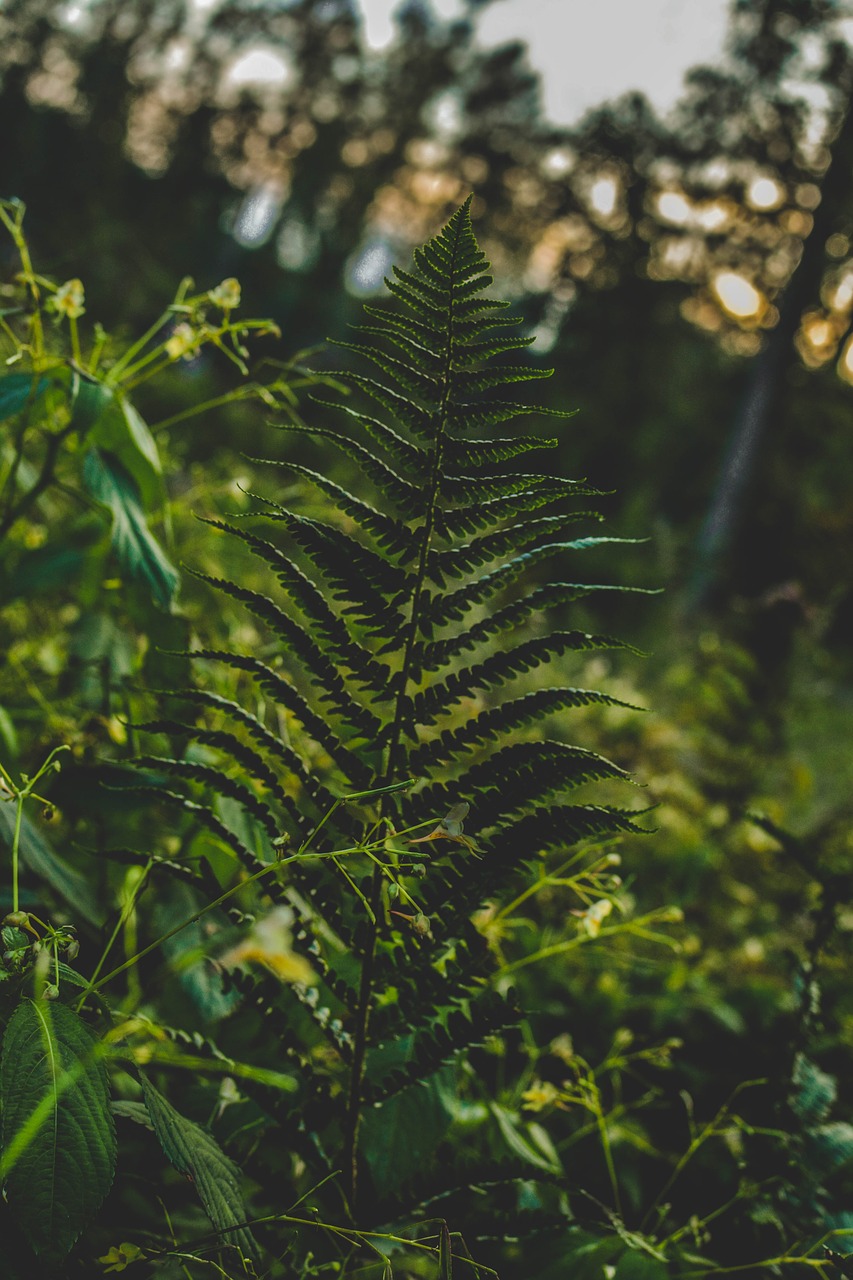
(121, 1256)
(563, 1048)
(183, 342)
(269, 943)
(69, 300)
(592, 919)
(226, 295)
(541, 1094)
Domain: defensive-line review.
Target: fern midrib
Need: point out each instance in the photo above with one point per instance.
(393, 750)
(396, 739)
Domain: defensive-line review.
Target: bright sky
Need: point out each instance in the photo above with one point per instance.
(591, 50)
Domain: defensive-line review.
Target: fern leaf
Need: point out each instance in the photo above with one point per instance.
(287, 695)
(493, 724)
(498, 668)
(393, 536)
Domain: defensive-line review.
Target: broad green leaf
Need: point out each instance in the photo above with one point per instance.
(124, 433)
(138, 551)
(59, 1144)
(520, 1145)
(16, 390)
(90, 400)
(197, 1155)
(8, 737)
(135, 1111)
(634, 1265)
(187, 951)
(399, 1138)
(37, 854)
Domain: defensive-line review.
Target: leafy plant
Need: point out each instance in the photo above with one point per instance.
(403, 616)
(71, 426)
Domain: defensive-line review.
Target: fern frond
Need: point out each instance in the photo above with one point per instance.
(192, 771)
(280, 751)
(288, 696)
(491, 725)
(461, 1030)
(426, 707)
(325, 676)
(455, 604)
(370, 663)
(254, 764)
(523, 773)
(407, 497)
(329, 628)
(390, 534)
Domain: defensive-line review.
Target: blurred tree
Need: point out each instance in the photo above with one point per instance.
(267, 141)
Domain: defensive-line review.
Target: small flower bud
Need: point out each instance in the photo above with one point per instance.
(17, 919)
(420, 925)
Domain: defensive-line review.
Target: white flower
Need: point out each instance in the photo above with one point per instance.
(69, 300)
(183, 342)
(592, 919)
(226, 295)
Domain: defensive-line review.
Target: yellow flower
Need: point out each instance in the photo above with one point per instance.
(269, 943)
(226, 295)
(183, 342)
(121, 1256)
(69, 300)
(541, 1094)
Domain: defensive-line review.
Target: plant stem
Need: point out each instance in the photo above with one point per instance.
(209, 906)
(16, 841)
(123, 914)
(14, 510)
(122, 363)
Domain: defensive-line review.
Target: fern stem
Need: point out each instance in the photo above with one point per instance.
(392, 761)
(359, 1054)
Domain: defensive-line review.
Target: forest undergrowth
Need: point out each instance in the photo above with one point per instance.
(358, 919)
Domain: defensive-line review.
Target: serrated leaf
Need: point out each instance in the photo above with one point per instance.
(399, 1137)
(196, 1154)
(59, 1145)
(138, 551)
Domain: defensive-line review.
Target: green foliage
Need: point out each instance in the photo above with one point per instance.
(59, 1145)
(363, 982)
(136, 550)
(195, 1154)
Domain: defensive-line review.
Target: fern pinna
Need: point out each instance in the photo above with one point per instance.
(412, 596)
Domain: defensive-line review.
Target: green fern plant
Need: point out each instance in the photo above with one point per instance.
(413, 595)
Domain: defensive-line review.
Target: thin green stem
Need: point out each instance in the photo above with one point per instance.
(13, 226)
(134, 378)
(209, 906)
(123, 361)
(240, 393)
(122, 917)
(74, 333)
(16, 843)
(697, 1141)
